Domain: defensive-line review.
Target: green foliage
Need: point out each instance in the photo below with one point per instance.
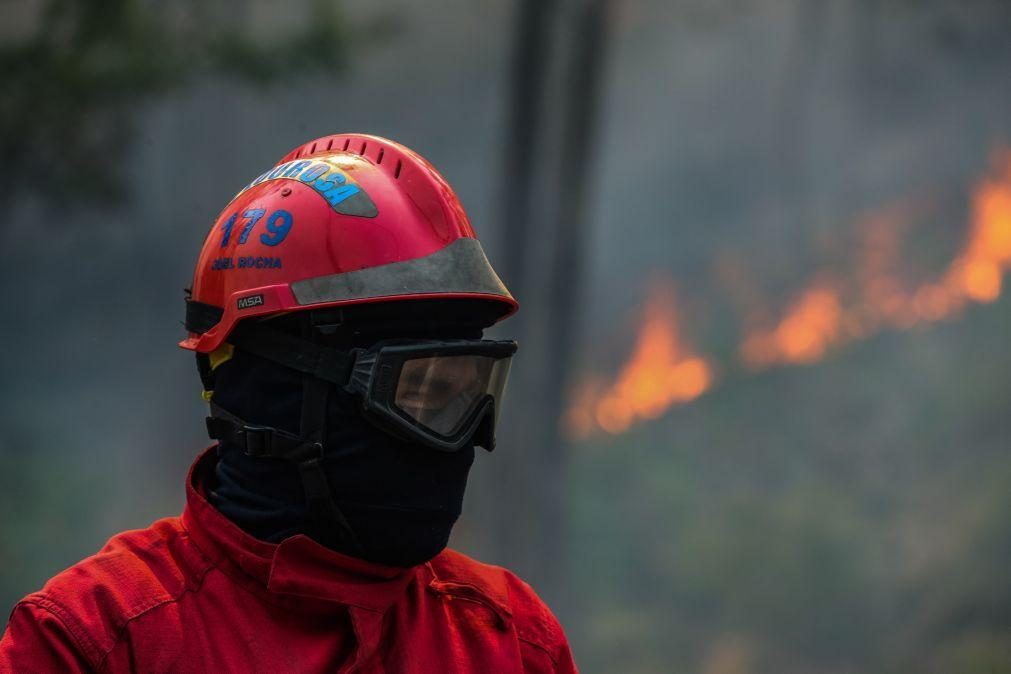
(71, 83)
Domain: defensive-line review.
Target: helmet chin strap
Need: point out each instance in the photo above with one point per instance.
(306, 450)
(334, 529)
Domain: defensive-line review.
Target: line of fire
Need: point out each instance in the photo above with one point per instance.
(664, 369)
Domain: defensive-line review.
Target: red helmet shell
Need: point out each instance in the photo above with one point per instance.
(341, 220)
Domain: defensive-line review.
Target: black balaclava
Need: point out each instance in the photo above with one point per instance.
(400, 498)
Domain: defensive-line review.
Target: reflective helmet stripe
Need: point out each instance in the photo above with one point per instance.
(459, 268)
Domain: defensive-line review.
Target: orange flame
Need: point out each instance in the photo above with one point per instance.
(976, 274)
(660, 373)
(811, 325)
(820, 318)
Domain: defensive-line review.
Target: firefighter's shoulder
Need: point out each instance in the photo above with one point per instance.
(135, 572)
(534, 623)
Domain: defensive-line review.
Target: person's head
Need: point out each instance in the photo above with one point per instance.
(337, 313)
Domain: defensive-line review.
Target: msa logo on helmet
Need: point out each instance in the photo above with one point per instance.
(250, 301)
(325, 176)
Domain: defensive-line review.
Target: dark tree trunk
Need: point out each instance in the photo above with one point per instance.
(581, 104)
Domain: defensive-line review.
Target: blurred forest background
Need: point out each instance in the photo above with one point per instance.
(761, 417)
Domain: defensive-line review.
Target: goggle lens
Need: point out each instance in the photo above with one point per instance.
(441, 392)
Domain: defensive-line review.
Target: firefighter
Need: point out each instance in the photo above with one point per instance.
(337, 315)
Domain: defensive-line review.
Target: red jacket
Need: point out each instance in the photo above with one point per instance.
(197, 594)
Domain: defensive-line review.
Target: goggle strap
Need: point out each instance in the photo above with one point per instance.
(297, 354)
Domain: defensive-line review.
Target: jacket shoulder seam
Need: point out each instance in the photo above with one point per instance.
(540, 646)
(135, 615)
(85, 642)
(537, 626)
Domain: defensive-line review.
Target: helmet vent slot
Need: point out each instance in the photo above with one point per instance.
(396, 172)
(379, 159)
(312, 149)
(347, 142)
(365, 144)
(329, 144)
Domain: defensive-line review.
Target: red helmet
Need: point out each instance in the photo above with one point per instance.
(344, 219)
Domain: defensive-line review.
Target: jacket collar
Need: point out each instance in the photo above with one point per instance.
(298, 567)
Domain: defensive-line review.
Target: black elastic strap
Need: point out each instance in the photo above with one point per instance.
(307, 453)
(257, 440)
(333, 528)
(312, 424)
(297, 354)
(320, 368)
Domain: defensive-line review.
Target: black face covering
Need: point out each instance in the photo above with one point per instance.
(400, 499)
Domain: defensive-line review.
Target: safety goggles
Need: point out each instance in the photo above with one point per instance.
(441, 393)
